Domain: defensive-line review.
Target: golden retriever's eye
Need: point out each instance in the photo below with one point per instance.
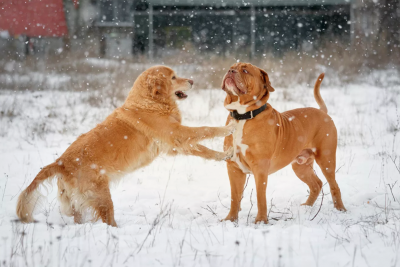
(173, 77)
(245, 71)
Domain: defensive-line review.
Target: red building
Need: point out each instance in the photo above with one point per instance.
(33, 18)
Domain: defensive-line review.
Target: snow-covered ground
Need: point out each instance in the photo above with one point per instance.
(169, 212)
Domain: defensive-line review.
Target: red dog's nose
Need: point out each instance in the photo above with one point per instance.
(191, 82)
(232, 71)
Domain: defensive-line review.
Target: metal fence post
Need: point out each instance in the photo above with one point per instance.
(253, 32)
(151, 32)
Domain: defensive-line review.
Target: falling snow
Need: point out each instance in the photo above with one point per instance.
(65, 65)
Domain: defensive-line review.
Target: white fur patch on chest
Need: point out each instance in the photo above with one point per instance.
(241, 109)
(238, 145)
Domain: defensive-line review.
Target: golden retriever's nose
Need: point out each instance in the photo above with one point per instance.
(191, 82)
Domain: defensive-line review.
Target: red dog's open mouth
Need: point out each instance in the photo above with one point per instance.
(180, 94)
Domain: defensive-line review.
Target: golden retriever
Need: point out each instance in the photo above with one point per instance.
(147, 124)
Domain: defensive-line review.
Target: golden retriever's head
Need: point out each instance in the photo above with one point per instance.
(162, 82)
(247, 82)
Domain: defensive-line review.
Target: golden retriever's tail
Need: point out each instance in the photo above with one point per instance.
(317, 95)
(30, 197)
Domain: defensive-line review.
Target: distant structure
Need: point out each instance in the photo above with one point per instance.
(23, 20)
(119, 28)
(222, 26)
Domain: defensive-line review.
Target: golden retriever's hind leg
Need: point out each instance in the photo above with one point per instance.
(77, 216)
(305, 172)
(67, 207)
(102, 202)
(105, 211)
(63, 197)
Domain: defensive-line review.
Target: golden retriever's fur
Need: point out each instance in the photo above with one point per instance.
(147, 124)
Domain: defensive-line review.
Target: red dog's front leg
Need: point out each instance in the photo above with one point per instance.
(261, 176)
(237, 180)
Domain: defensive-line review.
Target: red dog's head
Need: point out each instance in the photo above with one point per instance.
(246, 82)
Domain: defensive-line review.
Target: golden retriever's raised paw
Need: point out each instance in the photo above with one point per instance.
(228, 154)
(230, 128)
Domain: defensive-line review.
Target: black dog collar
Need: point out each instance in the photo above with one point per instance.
(248, 115)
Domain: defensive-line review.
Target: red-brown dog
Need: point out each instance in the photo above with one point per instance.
(265, 140)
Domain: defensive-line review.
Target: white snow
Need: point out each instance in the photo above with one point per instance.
(169, 212)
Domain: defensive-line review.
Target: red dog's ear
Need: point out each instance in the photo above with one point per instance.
(265, 78)
(156, 84)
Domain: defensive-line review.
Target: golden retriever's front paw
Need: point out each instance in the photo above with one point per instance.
(225, 155)
(228, 153)
(230, 128)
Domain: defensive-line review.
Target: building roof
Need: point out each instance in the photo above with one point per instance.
(247, 2)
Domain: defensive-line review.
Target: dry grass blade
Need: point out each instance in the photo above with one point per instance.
(251, 202)
(322, 200)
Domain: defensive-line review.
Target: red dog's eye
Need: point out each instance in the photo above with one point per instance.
(173, 77)
(245, 71)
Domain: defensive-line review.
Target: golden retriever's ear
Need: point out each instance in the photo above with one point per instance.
(156, 84)
(265, 78)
